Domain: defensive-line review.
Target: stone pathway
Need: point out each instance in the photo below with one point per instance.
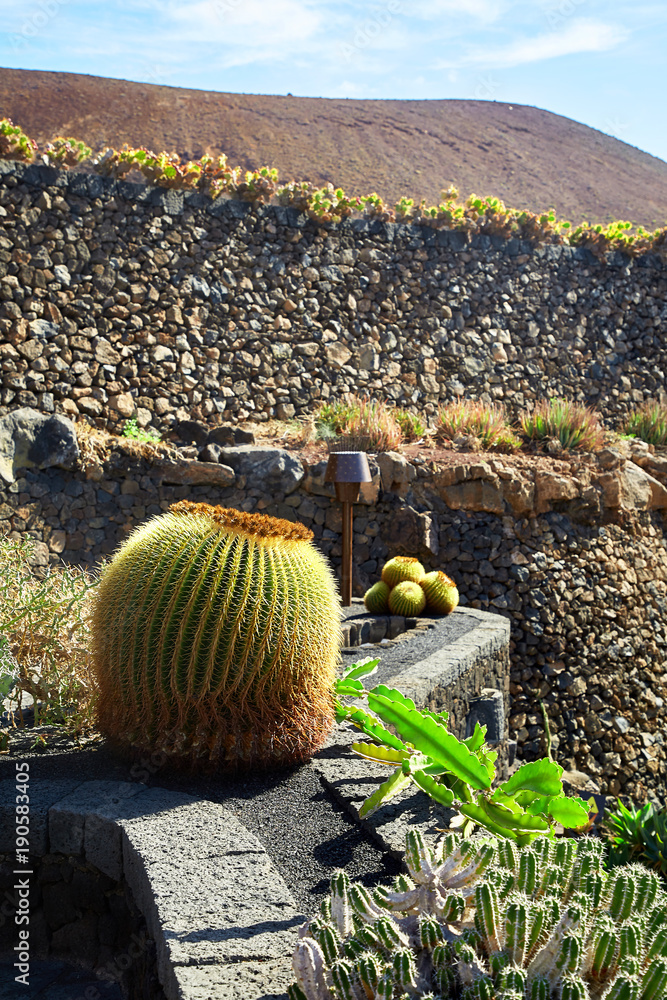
(55, 981)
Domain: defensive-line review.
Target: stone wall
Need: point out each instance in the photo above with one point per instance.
(572, 552)
(119, 300)
(83, 917)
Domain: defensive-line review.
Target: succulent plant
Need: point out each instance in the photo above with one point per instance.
(407, 598)
(402, 568)
(376, 598)
(637, 835)
(481, 921)
(216, 635)
(456, 773)
(441, 592)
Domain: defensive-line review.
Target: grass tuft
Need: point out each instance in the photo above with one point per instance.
(360, 417)
(649, 423)
(482, 421)
(44, 638)
(576, 426)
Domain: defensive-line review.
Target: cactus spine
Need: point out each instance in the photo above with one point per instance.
(441, 592)
(215, 636)
(376, 598)
(555, 925)
(407, 599)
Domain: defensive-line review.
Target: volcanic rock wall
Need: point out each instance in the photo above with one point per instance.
(118, 300)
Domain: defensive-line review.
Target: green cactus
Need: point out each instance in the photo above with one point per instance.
(215, 637)
(376, 598)
(525, 930)
(402, 568)
(407, 598)
(441, 593)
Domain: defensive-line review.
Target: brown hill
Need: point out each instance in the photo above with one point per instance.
(530, 158)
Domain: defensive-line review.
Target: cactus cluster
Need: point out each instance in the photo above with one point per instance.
(480, 920)
(216, 635)
(406, 589)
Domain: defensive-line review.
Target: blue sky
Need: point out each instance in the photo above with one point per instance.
(601, 63)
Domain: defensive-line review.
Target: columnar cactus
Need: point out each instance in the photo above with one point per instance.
(482, 921)
(216, 635)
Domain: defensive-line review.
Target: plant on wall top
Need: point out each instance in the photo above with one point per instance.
(456, 773)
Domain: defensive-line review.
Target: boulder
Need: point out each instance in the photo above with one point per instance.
(413, 533)
(30, 439)
(551, 488)
(271, 470)
(396, 472)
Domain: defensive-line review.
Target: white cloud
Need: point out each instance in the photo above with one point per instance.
(581, 35)
(251, 24)
(486, 11)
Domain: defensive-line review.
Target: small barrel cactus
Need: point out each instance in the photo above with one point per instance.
(441, 592)
(402, 568)
(376, 598)
(216, 636)
(490, 921)
(407, 599)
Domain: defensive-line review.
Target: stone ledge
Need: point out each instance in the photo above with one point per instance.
(428, 682)
(221, 916)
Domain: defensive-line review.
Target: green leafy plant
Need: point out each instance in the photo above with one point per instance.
(490, 921)
(637, 835)
(648, 422)
(482, 421)
(44, 629)
(14, 143)
(215, 176)
(361, 418)
(215, 636)
(67, 152)
(456, 773)
(132, 430)
(574, 425)
(413, 427)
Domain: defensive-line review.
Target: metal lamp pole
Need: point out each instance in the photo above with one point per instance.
(347, 470)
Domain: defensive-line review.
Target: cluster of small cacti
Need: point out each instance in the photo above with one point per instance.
(490, 921)
(406, 589)
(216, 636)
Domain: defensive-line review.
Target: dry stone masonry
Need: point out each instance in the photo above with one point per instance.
(121, 300)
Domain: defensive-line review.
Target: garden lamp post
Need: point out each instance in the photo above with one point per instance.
(347, 470)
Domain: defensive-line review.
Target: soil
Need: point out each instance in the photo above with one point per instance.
(527, 157)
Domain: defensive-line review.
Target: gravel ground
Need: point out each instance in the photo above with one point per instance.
(305, 832)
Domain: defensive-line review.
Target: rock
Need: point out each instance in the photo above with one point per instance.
(30, 439)
(273, 470)
(337, 354)
(192, 431)
(636, 492)
(412, 533)
(210, 452)
(104, 352)
(551, 488)
(314, 481)
(189, 473)
(396, 472)
(123, 403)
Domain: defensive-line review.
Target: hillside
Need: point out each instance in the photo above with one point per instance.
(530, 158)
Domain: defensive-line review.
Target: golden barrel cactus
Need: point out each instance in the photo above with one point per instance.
(216, 635)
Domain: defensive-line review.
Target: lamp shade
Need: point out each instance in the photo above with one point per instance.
(348, 467)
